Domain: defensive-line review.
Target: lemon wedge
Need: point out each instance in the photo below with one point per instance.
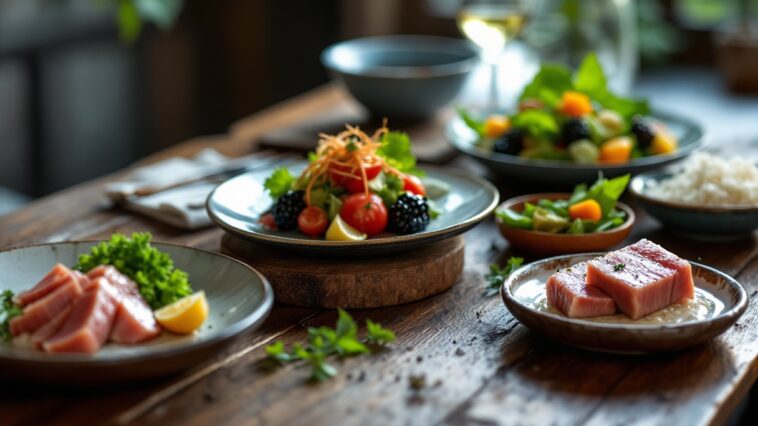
(185, 315)
(341, 231)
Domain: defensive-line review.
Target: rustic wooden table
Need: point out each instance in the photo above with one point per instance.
(479, 364)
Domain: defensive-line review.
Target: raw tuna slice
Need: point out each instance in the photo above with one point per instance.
(637, 284)
(134, 319)
(48, 330)
(57, 276)
(87, 327)
(45, 309)
(568, 292)
(684, 286)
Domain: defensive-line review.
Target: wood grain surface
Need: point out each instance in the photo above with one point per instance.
(353, 282)
(460, 357)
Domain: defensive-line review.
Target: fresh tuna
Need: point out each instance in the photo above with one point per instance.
(134, 319)
(57, 276)
(44, 309)
(88, 325)
(568, 292)
(684, 285)
(637, 284)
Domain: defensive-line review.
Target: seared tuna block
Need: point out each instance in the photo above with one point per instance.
(134, 319)
(44, 309)
(88, 325)
(568, 292)
(638, 285)
(684, 286)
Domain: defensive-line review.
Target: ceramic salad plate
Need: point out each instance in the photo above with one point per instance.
(237, 205)
(721, 301)
(564, 173)
(239, 299)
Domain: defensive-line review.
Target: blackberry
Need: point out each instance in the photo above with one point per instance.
(643, 132)
(287, 208)
(574, 129)
(409, 214)
(510, 143)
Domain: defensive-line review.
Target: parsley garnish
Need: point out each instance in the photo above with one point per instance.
(279, 183)
(342, 341)
(496, 277)
(8, 310)
(619, 267)
(159, 281)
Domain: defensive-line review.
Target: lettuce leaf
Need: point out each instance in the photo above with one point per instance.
(606, 192)
(279, 183)
(396, 150)
(537, 123)
(471, 122)
(590, 80)
(549, 84)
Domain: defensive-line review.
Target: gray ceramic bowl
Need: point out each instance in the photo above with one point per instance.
(407, 77)
(239, 299)
(696, 221)
(564, 174)
(629, 337)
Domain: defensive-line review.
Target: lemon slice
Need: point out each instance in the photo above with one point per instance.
(341, 231)
(185, 315)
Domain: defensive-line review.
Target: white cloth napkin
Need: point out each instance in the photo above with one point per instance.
(183, 207)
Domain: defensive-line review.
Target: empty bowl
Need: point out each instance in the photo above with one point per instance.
(406, 77)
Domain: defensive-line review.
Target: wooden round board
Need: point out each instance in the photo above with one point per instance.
(336, 282)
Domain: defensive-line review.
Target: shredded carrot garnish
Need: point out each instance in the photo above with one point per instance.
(345, 154)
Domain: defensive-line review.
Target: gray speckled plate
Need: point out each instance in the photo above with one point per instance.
(237, 204)
(728, 298)
(239, 299)
(561, 174)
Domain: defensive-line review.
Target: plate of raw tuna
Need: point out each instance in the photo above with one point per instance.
(638, 299)
(77, 326)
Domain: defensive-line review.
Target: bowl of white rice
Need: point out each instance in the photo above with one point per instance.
(706, 195)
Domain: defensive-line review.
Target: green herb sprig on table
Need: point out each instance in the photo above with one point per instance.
(8, 310)
(497, 275)
(324, 341)
(159, 281)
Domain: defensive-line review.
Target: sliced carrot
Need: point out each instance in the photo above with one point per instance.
(587, 209)
(496, 125)
(616, 151)
(575, 104)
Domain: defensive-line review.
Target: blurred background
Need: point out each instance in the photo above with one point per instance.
(90, 86)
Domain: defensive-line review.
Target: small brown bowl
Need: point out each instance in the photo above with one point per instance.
(548, 244)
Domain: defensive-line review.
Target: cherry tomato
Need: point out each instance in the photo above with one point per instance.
(355, 183)
(367, 214)
(312, 221)
(268, 221)
(413, 184)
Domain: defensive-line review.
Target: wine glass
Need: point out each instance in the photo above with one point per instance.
(491, 25)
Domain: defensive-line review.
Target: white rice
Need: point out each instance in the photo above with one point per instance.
(706, 179)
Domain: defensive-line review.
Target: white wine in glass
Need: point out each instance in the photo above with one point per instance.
(491, 24)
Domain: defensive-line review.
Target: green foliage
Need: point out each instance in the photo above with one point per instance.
(497, 275)
(605, 191)
(537, 123)
(280, 181)
(396, 150)
(471, 122)
(159, 281)
(132, 14)
(388, 187)
(323, 342)
(8, 310)
(548, 84)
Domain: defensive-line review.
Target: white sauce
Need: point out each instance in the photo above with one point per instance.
(703, 306)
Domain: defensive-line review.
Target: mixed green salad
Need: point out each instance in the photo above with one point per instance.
(574, 118)
(588, 210)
